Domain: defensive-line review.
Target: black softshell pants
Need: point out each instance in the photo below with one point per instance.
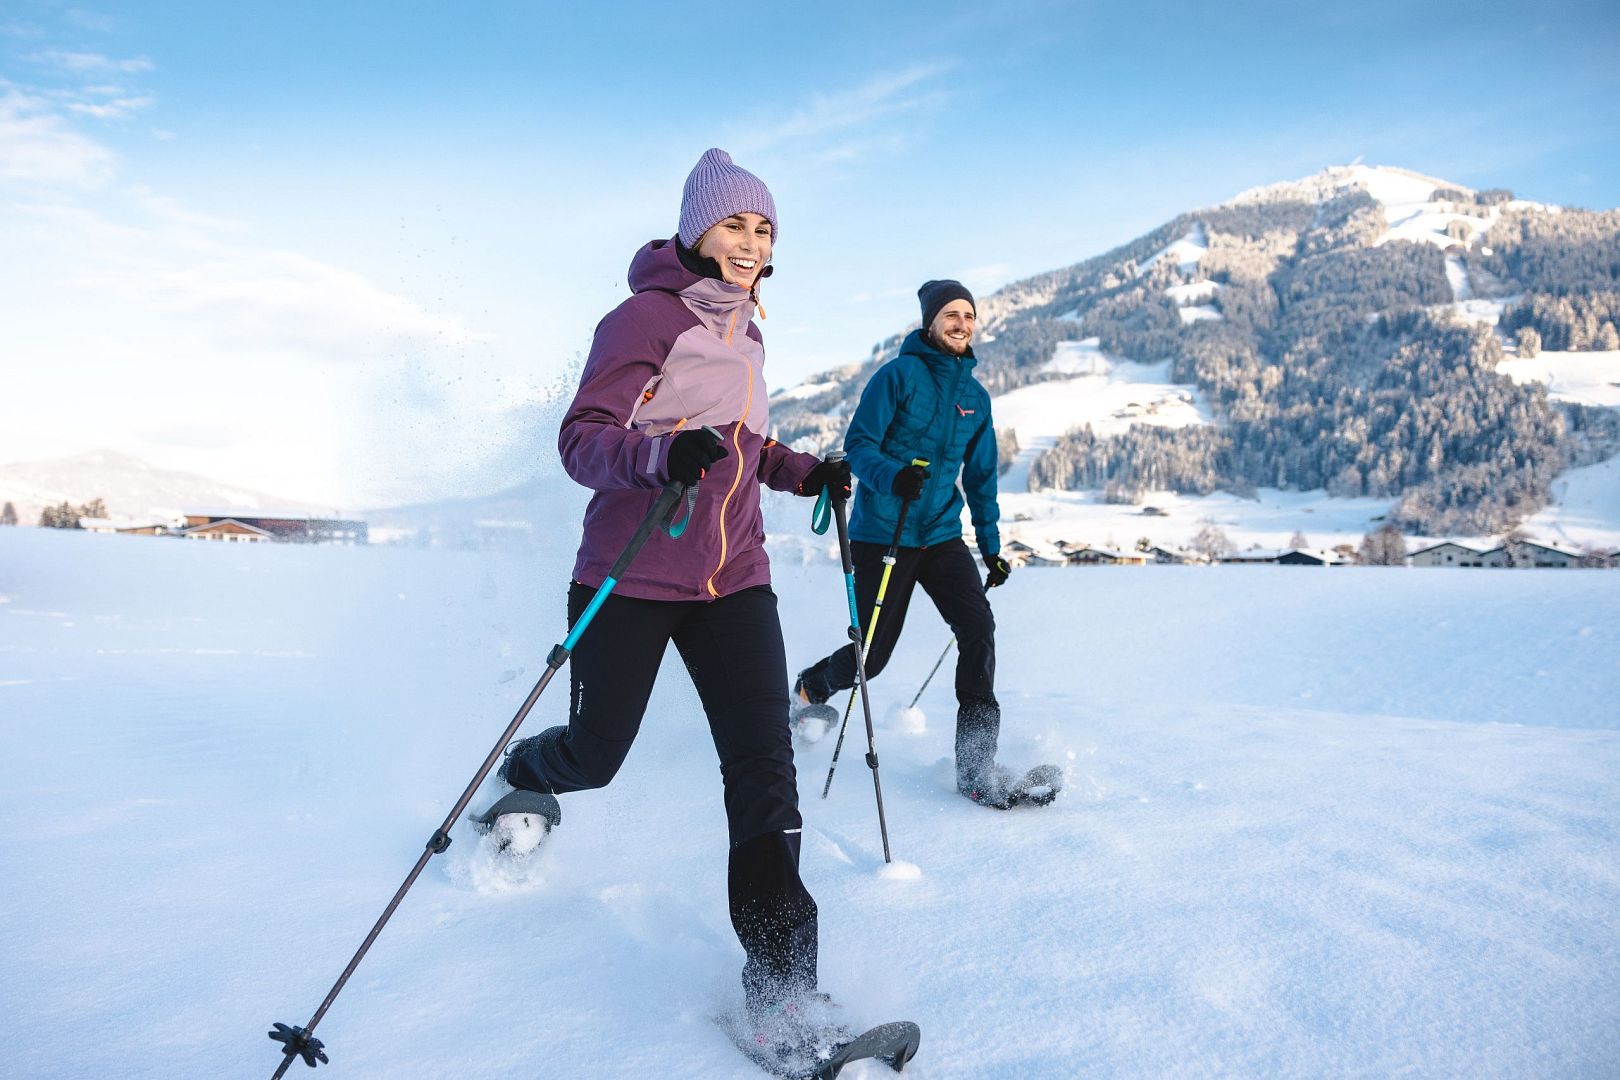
(733, 649)
(949, 574)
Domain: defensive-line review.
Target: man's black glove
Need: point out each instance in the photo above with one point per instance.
(909, 481)
(999, 570)
(691, 453)
(832, 475)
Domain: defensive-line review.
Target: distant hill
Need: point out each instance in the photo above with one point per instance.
(1343, 331)
(130, 487)
(516, 518)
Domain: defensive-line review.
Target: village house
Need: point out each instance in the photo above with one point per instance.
(1098, 556)
(1310, 557)
(1531, 553)
(1019, 554)
(1446, 553)
(1286, 557)
(131, 527)
(228, 530)
(287, 527)
(1169, 556)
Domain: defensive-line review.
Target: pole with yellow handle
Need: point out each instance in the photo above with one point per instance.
(861, 646)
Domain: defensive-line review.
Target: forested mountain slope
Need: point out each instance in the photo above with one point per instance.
(1345, 329)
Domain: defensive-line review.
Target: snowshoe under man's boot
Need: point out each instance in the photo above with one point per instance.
(809, 719)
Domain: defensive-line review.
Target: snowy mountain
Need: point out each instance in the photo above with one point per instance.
(1366, 334)
(130, 487)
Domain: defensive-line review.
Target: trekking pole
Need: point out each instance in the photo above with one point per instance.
(871, 629)
(300, 1042)
(943, 654)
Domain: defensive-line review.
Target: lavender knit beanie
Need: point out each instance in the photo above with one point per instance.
(716, 189)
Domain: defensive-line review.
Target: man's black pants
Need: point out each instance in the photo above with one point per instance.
(949, 574)
(733, 649)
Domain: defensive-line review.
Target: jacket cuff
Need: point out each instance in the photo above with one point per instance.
(651, 468)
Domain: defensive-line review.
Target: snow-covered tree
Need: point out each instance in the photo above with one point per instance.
(66, 515)
(1211, 542)
(1529, 343)
(8, 514)
(1384, 546)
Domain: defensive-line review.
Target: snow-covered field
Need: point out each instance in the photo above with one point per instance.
(1269, 520)
(1586, 507)
(1586, 378)
(1318, 823)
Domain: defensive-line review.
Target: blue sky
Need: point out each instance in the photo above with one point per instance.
(339, 254)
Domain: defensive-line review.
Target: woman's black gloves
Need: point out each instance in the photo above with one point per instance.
(691, 453)
(909, 481)
(832, 475)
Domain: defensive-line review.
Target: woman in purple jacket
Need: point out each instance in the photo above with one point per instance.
(681, 354)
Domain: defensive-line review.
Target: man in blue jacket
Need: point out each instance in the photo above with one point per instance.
(925, 404)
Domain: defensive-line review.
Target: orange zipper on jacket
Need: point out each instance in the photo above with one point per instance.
(736, 443)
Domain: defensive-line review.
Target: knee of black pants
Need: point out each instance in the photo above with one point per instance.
(878, 659)
(762, 797)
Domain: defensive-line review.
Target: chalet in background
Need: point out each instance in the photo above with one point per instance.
(1446, 553)
(237, 526)
(126, 528)
(1513, 553)
(1286, 557)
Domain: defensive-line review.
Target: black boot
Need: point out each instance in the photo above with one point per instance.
(978, 728)
(522, 768)
(775, 919)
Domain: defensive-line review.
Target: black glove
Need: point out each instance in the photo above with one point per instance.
(832, 475)
(999, 570)
(909, 481)
(691, 453)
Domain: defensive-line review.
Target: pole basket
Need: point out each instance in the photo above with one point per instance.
(299, 1043)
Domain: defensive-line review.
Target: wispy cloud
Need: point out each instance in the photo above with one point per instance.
(91, 62)
(831, 117)
(111, 110)
(160, 258)
(38, 146)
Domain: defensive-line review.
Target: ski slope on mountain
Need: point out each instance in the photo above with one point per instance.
(1318, 822)
(1584, 378)
(1102, 391)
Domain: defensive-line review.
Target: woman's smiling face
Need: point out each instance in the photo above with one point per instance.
(741, 244)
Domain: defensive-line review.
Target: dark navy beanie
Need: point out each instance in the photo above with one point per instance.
(936, 294)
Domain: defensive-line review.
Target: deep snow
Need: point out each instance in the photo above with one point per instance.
(1347, 822)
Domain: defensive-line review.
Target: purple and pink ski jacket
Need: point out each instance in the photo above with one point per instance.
(680, 353)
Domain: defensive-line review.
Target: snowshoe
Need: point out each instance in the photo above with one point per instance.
(809, 720)
(802, 1039)
(1000, 789)
(1039, 787)
(519, 821)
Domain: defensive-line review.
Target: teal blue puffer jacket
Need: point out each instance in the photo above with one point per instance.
(924, 404)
